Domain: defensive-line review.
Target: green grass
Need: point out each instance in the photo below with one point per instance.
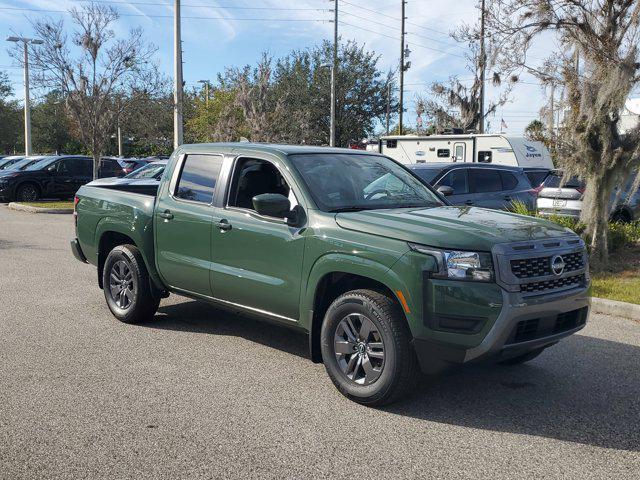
(616, 288)
(621, 278)
(49, 204)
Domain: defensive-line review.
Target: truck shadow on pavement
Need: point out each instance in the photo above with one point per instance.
(584, 390)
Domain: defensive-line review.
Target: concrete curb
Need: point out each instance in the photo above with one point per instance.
(618, 309)
(30, 209)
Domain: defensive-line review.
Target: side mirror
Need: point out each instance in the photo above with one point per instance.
(445, 190)
(272, 205)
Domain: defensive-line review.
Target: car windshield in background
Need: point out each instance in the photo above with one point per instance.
(554, 180)
(24, 163)
(427, 174)
(351, 182)
(39, 164)
(151, 170)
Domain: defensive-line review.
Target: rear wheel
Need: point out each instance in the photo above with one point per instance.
(127, 287)
(27, 193)
(522, 358)
(366, 348)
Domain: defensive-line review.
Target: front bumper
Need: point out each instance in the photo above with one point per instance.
(520, 328)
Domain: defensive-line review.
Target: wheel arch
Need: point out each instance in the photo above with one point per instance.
(335, 274)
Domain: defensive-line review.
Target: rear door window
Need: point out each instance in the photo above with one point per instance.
(197, 181)
(509, 181)
(536, 177)
(485, 180)
(456, 179)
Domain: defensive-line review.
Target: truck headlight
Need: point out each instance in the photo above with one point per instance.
(458, 264)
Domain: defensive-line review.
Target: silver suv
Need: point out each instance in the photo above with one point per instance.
(556, 197)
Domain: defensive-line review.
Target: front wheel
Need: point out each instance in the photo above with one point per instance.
(126, 286)
(366, 348)
(27, 193)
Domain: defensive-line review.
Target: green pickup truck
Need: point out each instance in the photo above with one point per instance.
(385, 277)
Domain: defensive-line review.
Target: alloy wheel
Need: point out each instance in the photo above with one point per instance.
(28, 193)
(359, 349)
(121, 284)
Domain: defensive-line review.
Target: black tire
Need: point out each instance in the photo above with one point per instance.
(27, 192)
(620, 217)
(127, 287)
(398, 368)
(522, 358)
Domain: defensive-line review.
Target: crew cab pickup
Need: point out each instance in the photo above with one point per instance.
(385, 277)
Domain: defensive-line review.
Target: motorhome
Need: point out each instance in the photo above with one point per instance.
(485, 148)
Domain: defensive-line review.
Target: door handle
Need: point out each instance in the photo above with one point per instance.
(507, 198)
(167, 215)
(469, 202)
(223, 225)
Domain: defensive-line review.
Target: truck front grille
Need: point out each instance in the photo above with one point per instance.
(541, 266)
(553, 284)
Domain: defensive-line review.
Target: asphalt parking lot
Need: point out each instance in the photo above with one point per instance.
(201, 393)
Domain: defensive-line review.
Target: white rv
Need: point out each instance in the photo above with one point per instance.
(487, 148)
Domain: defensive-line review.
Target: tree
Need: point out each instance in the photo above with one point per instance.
(10, 118)
(219, 119)
(51, 125)
(603, 33)
(289, 100)
(456, 102)
(93, 70)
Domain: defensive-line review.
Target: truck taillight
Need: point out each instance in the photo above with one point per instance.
(75, 210)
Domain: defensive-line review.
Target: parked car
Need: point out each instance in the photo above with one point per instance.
(565, 198)
(383, 280)
(480, 185)
(153, 170)
(6, 162)
(46, 177)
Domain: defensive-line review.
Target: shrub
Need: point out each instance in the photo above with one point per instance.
(521, 208)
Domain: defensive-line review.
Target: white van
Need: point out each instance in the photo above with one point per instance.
(487, 148)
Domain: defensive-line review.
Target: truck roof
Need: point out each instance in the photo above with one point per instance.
(275, 147)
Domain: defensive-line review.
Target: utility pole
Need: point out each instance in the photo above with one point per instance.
(177, 77)
(388, 104)
(402, 68)
(334, 68)
(483, 63)
(27, 106)
(552, 109)
(120, 153)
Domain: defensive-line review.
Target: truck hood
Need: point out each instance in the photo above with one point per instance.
(464, 228)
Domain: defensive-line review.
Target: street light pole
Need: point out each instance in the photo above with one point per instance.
(206, 91)
(482, 68)
(177, 77)
(27, 106)
(332, 134)
(402, 68)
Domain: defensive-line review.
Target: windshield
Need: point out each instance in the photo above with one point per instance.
(427, 174)
(351, 182)
(151, 170)
(554, 180)
(22, 164)
(39, 164)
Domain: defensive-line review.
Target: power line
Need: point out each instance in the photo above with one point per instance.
(196, 17)
(396, 38)
(225, 7)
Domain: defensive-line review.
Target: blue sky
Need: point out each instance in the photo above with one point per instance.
(235, 32)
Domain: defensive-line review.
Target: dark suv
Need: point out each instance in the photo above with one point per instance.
(50, 176)
(480, 185)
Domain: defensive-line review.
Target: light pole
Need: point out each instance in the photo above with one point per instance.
(206, 91)
(177, 77)
(332, 127)
(27, 107)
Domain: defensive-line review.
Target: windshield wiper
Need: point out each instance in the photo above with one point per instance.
(347, 209)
